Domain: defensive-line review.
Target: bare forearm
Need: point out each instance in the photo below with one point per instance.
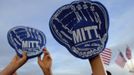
(9, 70)
(47, 72)
(97, 66)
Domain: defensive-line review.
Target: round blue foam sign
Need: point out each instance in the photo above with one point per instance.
(27, 39)
(82, 27)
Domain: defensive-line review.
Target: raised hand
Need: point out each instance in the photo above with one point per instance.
(15, 64)
(45, 63)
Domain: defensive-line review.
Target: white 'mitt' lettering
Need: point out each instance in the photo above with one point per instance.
(79, 35)
(30, 44)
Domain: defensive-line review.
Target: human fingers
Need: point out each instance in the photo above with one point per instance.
(39, 60)
(23, 59)
(46, 51)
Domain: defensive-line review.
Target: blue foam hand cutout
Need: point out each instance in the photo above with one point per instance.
(27, 39)
(82, 27)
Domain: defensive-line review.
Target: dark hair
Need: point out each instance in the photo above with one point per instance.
(108, 73)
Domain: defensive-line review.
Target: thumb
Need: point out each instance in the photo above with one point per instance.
(40, 62)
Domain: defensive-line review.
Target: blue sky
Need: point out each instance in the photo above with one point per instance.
(36, 14)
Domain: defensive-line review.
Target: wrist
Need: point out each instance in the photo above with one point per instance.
(12, 68)
(47, 72)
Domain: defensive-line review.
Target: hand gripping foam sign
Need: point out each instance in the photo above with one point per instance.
(27, 39)
(82, 27)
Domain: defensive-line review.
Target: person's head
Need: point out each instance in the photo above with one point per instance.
(108, 73)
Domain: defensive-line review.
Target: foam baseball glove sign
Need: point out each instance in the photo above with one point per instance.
(82, 27)
(27, 39)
